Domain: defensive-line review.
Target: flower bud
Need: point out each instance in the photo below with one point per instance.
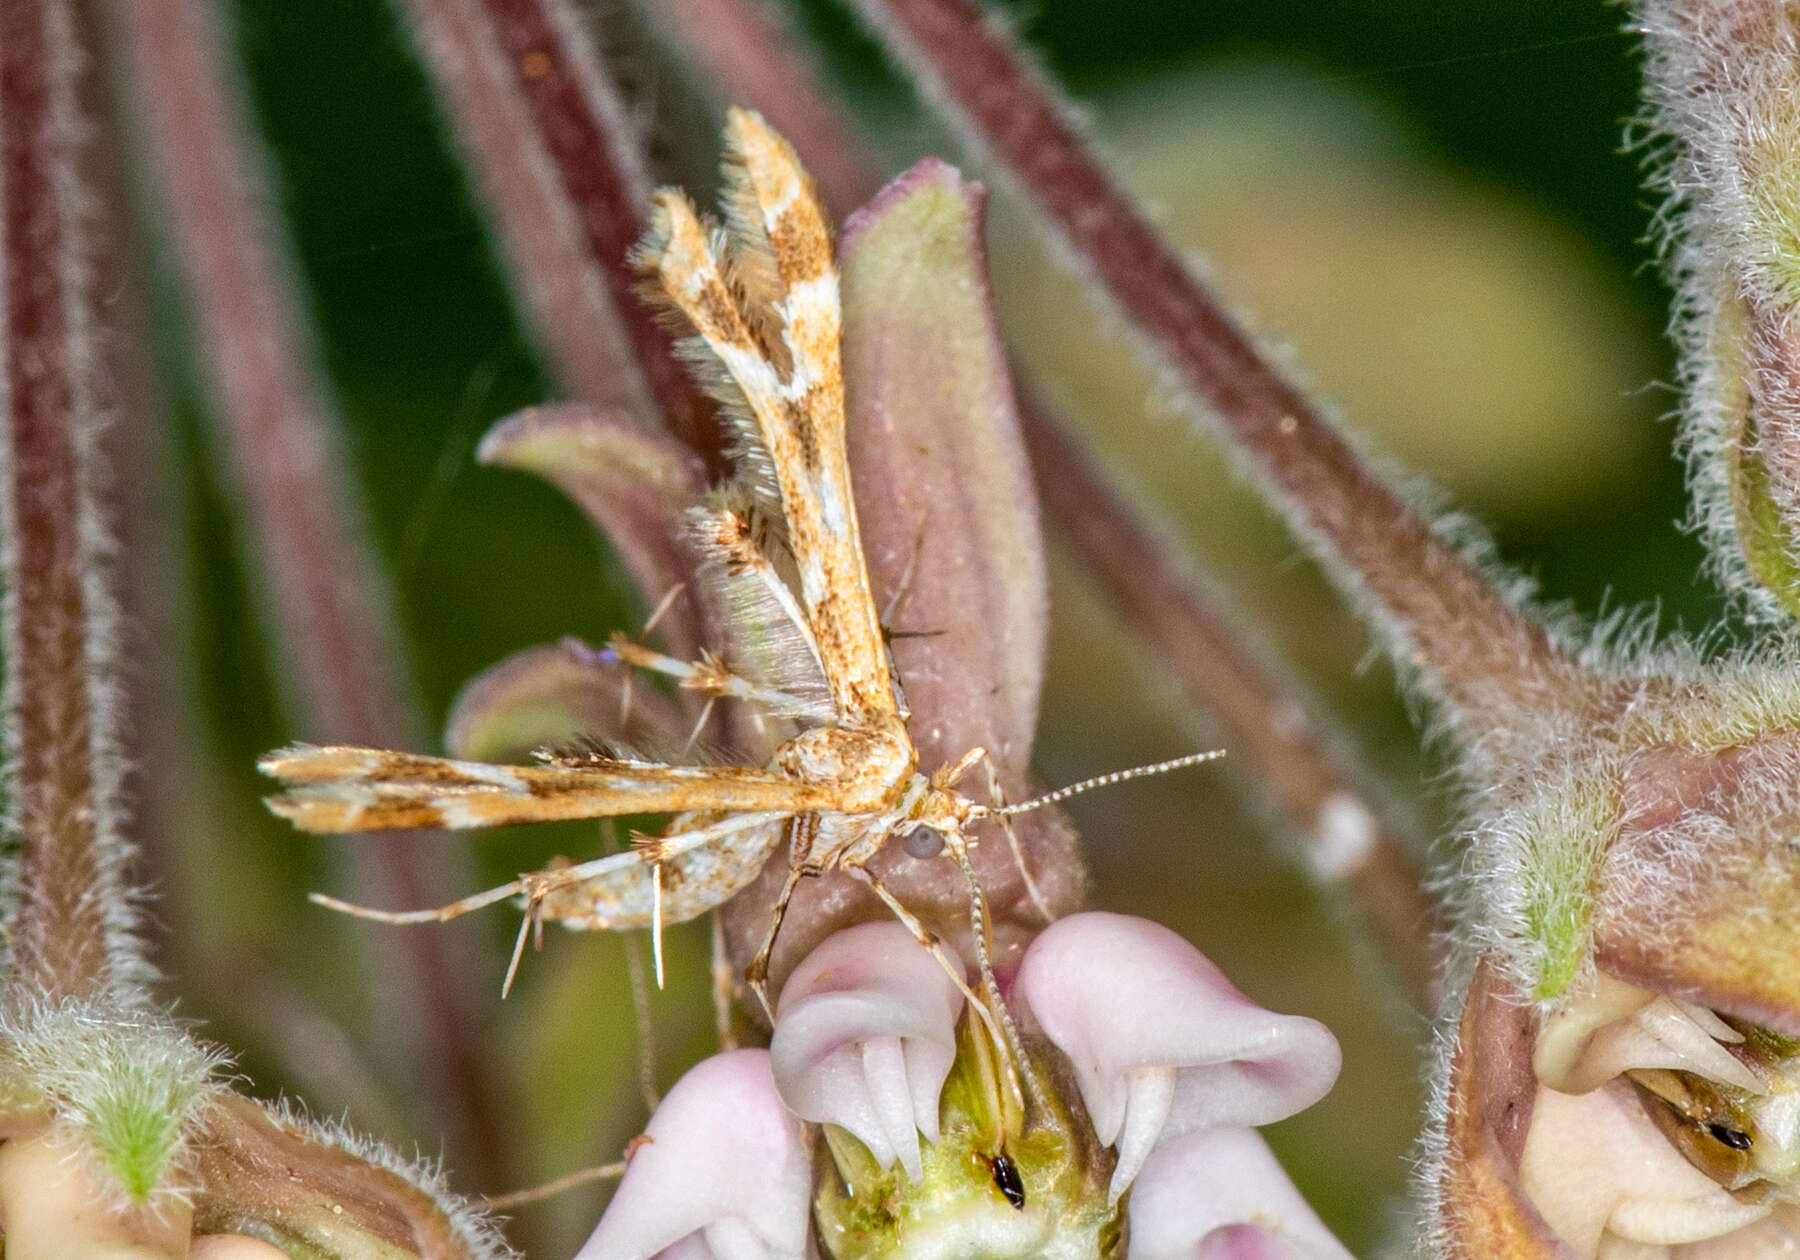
(865, 1037)
(1160, 1041)
(724, 1168)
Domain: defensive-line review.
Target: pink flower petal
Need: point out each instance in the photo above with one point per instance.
(725, 1161)
(864, 1037)
(1127, 1000)
(1218, 1194)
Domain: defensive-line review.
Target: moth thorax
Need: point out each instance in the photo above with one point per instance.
(862, 760)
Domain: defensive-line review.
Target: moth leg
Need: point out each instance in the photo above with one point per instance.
(540, 884)
(526, 923)
(439, 914)
(903, 587)
(662, 608)
(953, 967)
(802, 829)
(640, 987)
(724, 978)
(709, 676)
(997, 802)
(756, 975)
(656, 949)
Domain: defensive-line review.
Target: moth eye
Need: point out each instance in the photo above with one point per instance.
(923, 841)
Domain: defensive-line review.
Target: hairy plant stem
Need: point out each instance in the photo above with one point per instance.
(1273, 742)
(548, 139)
(70, 930)
(1445, 619)
(338, 647)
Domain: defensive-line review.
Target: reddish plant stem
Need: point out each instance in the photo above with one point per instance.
(1272, 741)
(70, 930)
(1445, 618)
(748, 54)
(571, 299)
(529, 61)
(338, 649)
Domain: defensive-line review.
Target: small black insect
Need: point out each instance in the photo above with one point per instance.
(1736, 1139)
(1006, 1180)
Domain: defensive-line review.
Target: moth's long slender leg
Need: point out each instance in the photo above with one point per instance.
(640, 988)
(438, 914)
(724, 978)
(997, 799)
(802, 830)
(540, 883)
(903, 587)
(709, 676)
(656, 925)
(756, 975)
(662, 609)
(952, 967)
(526, 923)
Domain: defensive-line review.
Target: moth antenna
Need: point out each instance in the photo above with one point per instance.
(1018, 1065)
(1105, 780)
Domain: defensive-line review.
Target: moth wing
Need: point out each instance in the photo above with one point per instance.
(786, 396)
(775, 210)
(338, 789)
(704, 865)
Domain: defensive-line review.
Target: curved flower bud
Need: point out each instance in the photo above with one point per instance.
(554, 694)
(725, 1167)
(1160, 1041)
(865, 1036)
(635, 486)
(1218, 1194)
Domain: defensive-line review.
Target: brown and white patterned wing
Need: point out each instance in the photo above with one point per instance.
(814, 470)
(337, 789)
(794, 392)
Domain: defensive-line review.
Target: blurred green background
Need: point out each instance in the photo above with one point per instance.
(1425, 205)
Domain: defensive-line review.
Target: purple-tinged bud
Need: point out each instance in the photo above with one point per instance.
(1218, 1194)
(865, 1036)
(1161, 1043)
(725, 1169)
